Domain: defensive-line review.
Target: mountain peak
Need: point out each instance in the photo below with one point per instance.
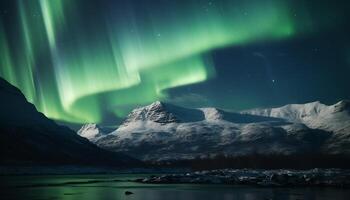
(342, 106)
(164, 113)
(90, 126)
(212, 114)
(157, 105)
(90, 131)
(155, 112)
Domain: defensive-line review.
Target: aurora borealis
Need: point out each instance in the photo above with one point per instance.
(80, 61)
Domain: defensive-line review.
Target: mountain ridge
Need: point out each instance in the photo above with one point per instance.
(150, 135)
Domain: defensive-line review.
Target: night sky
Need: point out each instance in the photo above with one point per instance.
(92, 61)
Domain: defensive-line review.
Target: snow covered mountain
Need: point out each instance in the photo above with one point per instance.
(92, 132)
(334, 118)
(162, 131)
(163, 113)
(314, 115)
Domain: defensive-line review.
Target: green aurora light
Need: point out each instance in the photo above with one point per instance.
(74, 72)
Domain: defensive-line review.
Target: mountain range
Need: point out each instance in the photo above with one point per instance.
(162, 131)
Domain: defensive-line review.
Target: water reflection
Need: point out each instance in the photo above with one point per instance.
(110, 187)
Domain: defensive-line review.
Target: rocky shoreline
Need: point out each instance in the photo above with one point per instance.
(267, 178)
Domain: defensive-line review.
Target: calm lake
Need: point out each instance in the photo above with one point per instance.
(108, 187)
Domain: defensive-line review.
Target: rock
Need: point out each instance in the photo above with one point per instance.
(265, 178)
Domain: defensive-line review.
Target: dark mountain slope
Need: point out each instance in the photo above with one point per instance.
(28, 137)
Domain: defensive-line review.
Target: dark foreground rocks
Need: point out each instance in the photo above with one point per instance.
(128, 193)
(279, 178)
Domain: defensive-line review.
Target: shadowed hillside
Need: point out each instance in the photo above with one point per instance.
(28, 137)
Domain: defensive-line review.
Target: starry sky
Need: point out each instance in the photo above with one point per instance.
(84, 61)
